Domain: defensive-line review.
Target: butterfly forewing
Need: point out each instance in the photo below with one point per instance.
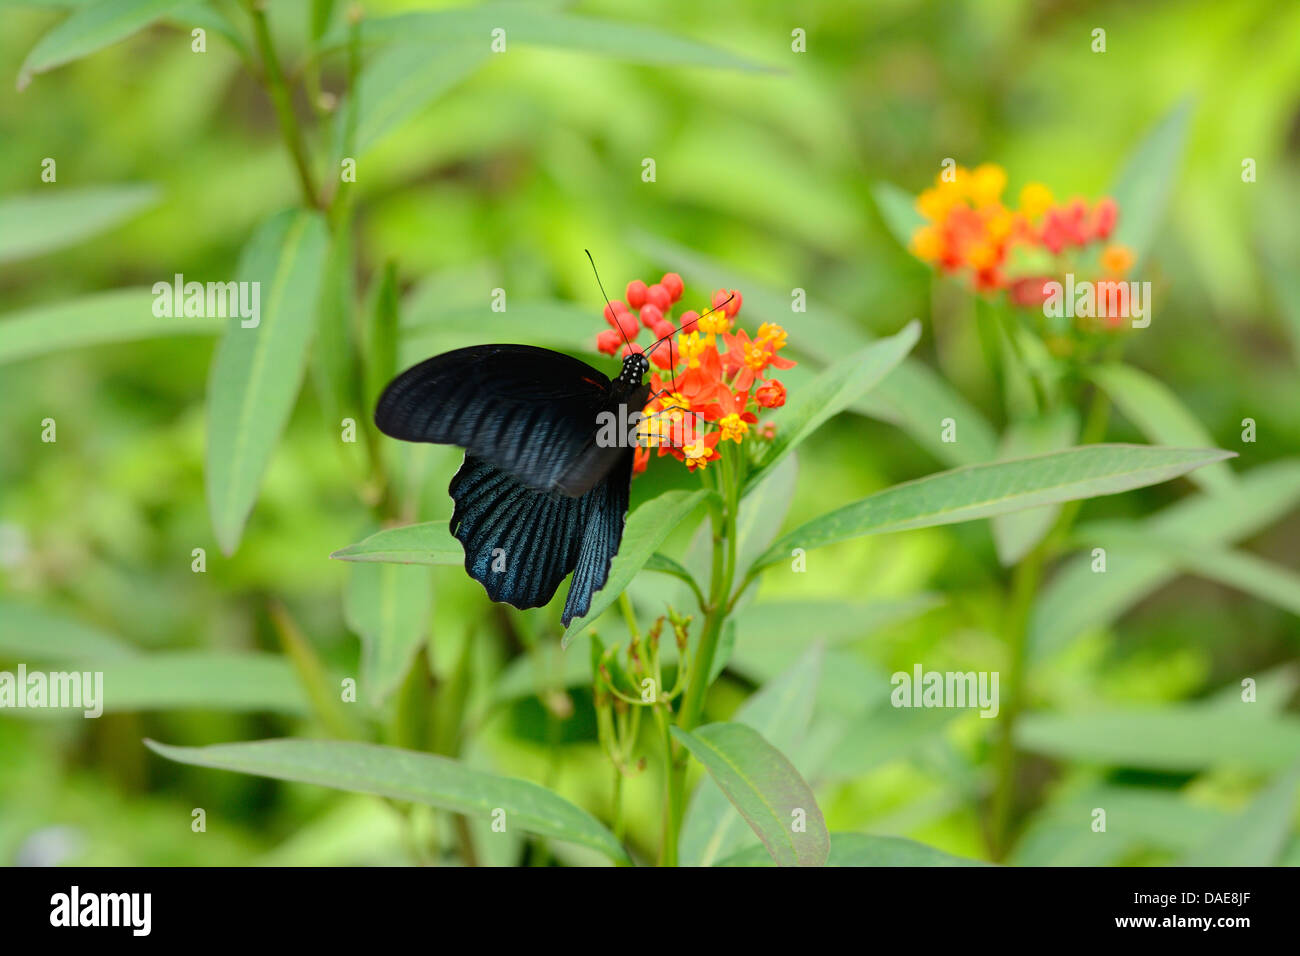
(528, 410)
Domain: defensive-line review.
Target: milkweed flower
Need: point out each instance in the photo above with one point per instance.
(711, 381)
(969, 231)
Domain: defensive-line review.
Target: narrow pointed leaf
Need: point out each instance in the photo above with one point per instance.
(411, 776)
(861, 849)
(764, 786)
(1181, 737)
(1077, 598)
(30, 633)
(194, 680)
(42, 222)
(398, 83)
(833, 391)
(1147, 180)
(92, 27)
(781, 711)
(530, 25)
(1258, 835)
(428, 543)
(982, 491)
(898, 208)
(257, 371)
(1161, 416)
(124, 315)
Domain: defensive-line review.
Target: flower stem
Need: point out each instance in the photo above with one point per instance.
(1024, 587)
(283, 101)
(723, 517)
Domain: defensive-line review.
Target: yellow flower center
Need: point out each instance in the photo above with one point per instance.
(733, 427)
(772, 334)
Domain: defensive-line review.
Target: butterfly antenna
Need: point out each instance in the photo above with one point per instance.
(608, 304)
(715, 308)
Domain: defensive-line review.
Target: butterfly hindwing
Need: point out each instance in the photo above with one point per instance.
(601, 537)
(527, 410)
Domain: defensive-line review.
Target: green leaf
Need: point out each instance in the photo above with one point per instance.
(399, 82)
(124, 315)
(411, 776)
(781, 710)
(1143, 188)
(92, 28)
(257, 371)
(381, 342)
(1238, 569)
(388, 606)
(527, 24)
(772, 634)
(898, 209)
(35, 634)
(666, 565)
(1136, 818)
(1258, 835)
(1177, 737)
(1015, 534)
(334, 358)
(879, 734)
(917, 400)
(1076, 599)
(833, 391)
(764, 786)
(982, 491)
(196, 680)
(861, 849)
(647, 527)
(427, 543)
(1160, 416)
(42, 222)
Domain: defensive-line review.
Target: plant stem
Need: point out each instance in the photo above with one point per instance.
(723, 517)
(1024, 584)
(1024, 587)
(674, 790)
(283, 101)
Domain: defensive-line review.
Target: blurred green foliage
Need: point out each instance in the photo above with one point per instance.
(502, 182)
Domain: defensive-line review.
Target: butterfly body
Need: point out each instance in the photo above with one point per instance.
(537, 496)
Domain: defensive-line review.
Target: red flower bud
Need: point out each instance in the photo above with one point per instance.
(689, 318)
(662, 329)
(628, 323)
(608, 341)
(636, 293)
(673, 283)
(771, 394)
(1104, 217)
(651, 315)
(617, 307)
(658, 295)
(662, 358)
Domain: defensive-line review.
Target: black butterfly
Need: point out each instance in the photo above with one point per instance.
(537, 495)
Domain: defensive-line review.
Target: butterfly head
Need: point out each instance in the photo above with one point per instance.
(635, 366)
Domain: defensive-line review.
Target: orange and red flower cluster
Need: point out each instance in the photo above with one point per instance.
(713, 378)
(968, 229)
